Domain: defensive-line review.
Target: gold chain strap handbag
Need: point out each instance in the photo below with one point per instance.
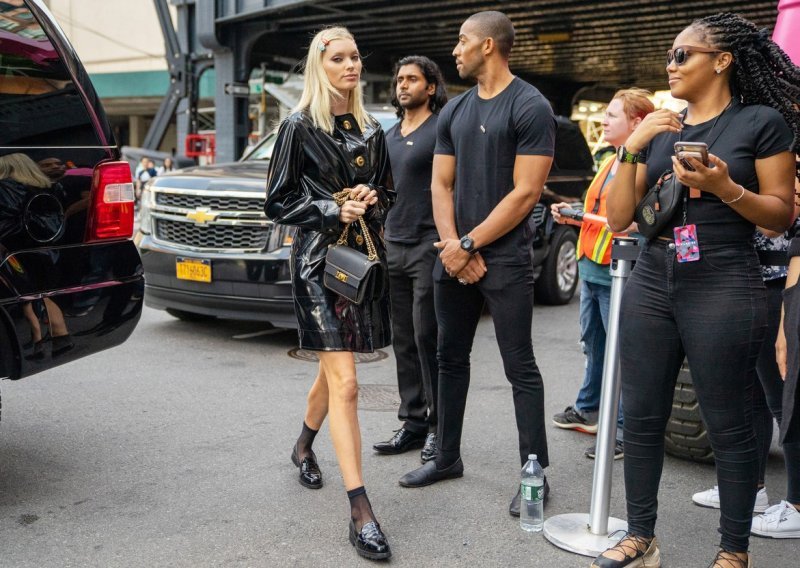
(350, 273)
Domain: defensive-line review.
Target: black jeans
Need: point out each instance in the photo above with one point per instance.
(768, 397)
(714, 312)
(508, 293)
(414, 331)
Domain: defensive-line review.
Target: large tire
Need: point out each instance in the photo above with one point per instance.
(188, 316)
(686, 435)
(558, 280)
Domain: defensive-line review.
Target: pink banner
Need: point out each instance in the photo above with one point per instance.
(787, 29)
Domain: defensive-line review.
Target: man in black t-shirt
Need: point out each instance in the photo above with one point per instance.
(494, 148)
(419, 94)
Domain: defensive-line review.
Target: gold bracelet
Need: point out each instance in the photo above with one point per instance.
(734, 200)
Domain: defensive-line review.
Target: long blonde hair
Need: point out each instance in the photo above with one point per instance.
(318, 93)
(21, 168)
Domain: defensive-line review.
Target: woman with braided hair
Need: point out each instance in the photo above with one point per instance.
(696, 290)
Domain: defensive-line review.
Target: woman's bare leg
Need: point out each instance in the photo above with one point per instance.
(340, 371)
(317, 401)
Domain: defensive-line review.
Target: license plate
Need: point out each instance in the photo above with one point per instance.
(195, 269)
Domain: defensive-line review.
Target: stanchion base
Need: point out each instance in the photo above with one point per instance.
(570, 531)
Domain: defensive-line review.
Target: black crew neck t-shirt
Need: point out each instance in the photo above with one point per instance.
(753, 132)
(410, 219)
(486, 136)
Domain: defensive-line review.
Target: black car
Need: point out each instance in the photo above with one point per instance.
(71, 279)
(209, 250)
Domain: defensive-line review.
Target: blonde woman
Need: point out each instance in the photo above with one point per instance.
(327, 146)
(20, 176)
(24, 170)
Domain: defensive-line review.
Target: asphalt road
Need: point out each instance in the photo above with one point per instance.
(173, 450)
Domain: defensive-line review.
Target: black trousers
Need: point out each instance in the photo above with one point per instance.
(414, 331)
(714, 311)
(508, 293)
(768, 397)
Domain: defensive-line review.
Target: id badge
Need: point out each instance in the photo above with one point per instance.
(687, 248)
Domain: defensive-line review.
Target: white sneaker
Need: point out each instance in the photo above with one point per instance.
(779, 521)
(710, 498)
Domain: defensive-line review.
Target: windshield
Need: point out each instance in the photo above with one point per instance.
(264, 149)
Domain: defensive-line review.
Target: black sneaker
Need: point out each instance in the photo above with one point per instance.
(619, 450)
(572, 420)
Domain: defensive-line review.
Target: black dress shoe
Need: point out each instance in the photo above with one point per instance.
(428, 474)
(402, 441)
(513, 509)
(370, 542)
(430, 449)
(310, 475)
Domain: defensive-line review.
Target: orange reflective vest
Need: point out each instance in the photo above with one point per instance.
(594, 241)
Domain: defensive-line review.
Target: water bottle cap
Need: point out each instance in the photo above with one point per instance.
(532, 457)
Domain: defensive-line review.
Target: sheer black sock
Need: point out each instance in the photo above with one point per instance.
(304, 442)
(360, 508)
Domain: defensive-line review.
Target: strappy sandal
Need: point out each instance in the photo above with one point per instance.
(725, 559)
(638, 552)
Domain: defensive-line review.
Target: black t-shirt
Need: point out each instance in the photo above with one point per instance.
(754, 131)
(794, 247)
(411, 218)
(486, 136)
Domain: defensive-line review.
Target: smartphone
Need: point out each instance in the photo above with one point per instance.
(697, 150)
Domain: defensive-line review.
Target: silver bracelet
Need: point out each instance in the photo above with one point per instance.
(734, 200)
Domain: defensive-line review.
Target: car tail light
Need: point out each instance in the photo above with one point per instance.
(111, 212)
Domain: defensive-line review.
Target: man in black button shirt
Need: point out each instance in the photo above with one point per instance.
(493, 153)
(419, 94)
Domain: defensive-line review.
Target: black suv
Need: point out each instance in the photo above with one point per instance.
(209, 250)
(71, 279)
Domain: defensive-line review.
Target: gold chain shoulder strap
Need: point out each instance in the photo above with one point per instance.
(372, 254)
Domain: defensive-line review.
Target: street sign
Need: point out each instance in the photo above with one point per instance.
(237, 89)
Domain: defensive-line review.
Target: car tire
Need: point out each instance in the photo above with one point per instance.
(189, 316)
(558, 280)
(686, 435)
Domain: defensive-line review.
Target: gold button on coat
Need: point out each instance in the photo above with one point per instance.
(360, 161)
(347, 125)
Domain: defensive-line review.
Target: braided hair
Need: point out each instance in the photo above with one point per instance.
(762, 72)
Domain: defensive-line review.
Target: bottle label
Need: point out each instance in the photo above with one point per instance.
(533, 493)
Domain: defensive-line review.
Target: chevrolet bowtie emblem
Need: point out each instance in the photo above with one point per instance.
(201, 215)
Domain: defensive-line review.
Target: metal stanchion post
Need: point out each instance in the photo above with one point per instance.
(593, 533)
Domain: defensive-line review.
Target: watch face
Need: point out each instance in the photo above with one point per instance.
(466, 243)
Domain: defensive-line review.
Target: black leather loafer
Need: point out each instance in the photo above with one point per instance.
(428, 474)
(370, 542)
(513, 508)
(402, 441)
(430, 449)
(310, 474)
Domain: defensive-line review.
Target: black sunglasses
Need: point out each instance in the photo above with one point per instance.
(681, 53)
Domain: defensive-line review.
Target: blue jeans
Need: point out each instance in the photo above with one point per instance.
(595, 302)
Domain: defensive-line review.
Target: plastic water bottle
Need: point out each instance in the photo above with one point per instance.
(531, 507)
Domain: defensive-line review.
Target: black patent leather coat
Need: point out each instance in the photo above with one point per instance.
(307, 167)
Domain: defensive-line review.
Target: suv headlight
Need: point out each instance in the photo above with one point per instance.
(281, 236)
(145, 207)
